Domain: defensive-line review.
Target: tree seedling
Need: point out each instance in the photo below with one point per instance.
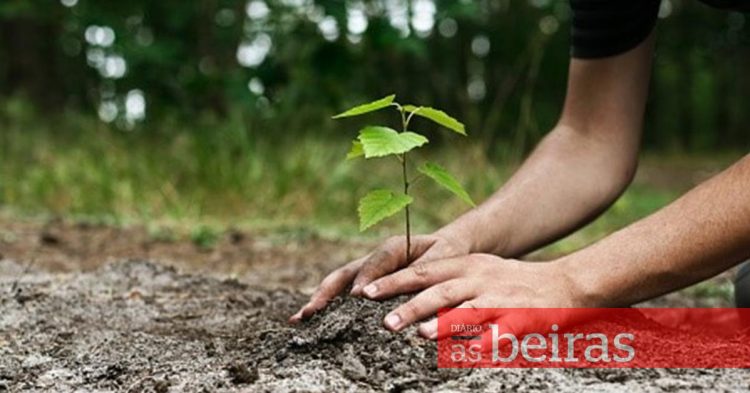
(381, 141)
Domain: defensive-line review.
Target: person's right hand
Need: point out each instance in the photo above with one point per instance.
(384, 260)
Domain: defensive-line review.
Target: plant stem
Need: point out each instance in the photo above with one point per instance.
(408, 224)
(405, 124)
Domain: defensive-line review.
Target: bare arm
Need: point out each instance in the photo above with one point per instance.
(578, 170)
(698, 236)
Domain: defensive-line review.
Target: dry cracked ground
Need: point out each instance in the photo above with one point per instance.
(185, 324)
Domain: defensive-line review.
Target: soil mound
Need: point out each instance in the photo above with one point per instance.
(139, 326)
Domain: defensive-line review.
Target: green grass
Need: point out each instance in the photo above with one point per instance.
(637, 202)
(722, 291)
(212, 175)
(205, 237)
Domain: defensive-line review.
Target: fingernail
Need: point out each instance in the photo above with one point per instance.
(393, 321)
(296, 317)
(370, 290)
(355, 289)
(428, 330)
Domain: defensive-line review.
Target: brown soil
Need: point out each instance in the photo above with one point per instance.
(139, 326)
(292, 260)
(215, 320)
(289, 260)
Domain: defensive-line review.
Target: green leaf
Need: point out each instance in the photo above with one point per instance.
(356, 150)
(382, 141)
(445, 180)
(366, 108)
(379, 205)
(437, 116)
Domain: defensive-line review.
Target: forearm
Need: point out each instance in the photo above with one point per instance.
(578, 169)
(698, 236)
(568, 180)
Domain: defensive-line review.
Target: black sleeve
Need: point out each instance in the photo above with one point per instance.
(602, 28)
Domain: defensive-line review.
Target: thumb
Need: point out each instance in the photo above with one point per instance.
(387, 258)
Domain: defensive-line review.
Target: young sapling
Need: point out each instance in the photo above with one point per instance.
(381, 141)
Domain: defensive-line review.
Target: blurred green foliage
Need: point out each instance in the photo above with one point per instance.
(88, 169)
(281, 67)
(219, 109)
(205, 237)
(214, 178)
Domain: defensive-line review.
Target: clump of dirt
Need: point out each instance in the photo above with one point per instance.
(350, 344)
(139, 326)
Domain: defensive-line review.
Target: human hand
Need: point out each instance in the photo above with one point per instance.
(387, 258)
(473, 281)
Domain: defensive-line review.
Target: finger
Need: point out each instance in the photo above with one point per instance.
(328, 289)
(429, 329)
(502, 335)
(386, 259)
(427, 302)
(476, 311)
(416, 277)
(518, 322)
(331, 286)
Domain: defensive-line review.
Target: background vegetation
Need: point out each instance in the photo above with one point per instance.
(219, 110)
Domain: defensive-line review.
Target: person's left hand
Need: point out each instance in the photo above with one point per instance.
(473, 281)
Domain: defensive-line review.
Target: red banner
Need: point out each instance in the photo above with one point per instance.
(594, 337)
